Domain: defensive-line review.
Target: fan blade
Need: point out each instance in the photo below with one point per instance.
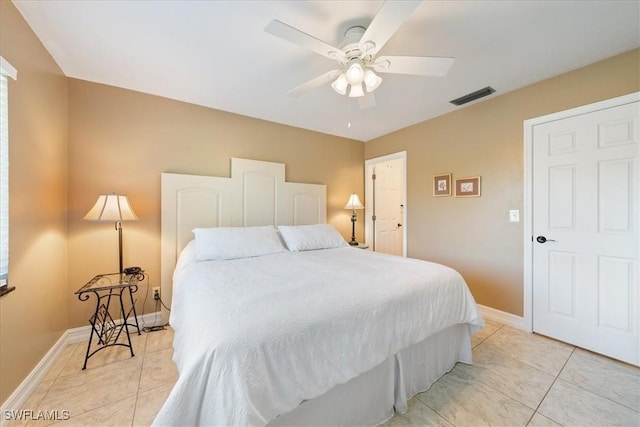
(433, 66)
(295, 36)
(314, 83)
(367, 101)
(391, 16)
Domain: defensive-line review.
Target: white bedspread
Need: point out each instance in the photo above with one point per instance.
(255, 337)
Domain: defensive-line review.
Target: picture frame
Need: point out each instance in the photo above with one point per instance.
(442, 185)
(468, 187)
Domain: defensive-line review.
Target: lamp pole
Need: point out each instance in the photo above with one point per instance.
(353, 241)
(119, 228)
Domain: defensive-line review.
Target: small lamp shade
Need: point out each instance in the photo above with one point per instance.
(114, 208)
(111, 207)
(355, 73)
(340, 84)
(356, 91)
(371, 80)
(354, 202)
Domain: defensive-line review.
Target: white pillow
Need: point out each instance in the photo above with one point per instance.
(222, 243)
(310, 237)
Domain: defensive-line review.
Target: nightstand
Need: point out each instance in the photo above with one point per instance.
(120, 288)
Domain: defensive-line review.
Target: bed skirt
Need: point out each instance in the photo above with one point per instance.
(373, 397)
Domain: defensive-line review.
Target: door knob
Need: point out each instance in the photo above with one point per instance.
(542, 239)
(399, 225)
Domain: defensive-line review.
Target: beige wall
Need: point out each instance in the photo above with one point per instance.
(34, 316)
(121, 141)
(473, 235)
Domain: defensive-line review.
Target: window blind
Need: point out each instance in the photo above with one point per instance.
(6, 70)
(4, 180)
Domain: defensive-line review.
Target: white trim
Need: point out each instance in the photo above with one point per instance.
(29, 384)
(528, 187)
(367, 190)
(503, 317)
(8, 69)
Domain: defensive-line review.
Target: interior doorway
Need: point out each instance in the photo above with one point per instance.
(582, 255)
(385, 204)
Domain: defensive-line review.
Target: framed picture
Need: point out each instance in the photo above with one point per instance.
(468, 187)
(442, 185)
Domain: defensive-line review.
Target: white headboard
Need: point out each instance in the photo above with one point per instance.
(256, 194)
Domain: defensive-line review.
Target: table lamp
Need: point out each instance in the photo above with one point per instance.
(353, 204)
(116, 208)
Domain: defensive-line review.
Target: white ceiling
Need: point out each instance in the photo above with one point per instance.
(216, 54)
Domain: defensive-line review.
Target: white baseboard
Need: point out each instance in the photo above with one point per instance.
(24, 390)
(503, 317)
(70, 336)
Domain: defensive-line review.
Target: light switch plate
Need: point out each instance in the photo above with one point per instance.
(514, 215)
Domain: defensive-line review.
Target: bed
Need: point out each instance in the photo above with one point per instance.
(279, 322)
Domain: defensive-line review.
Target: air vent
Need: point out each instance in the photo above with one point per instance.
(473, 96)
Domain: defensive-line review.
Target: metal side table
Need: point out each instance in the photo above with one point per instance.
(107, 287)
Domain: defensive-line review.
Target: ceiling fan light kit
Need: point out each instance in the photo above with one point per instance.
(355, 73)
(354, 77)
(340, 84)
(356, 91)
(371, 80)
(356, 56)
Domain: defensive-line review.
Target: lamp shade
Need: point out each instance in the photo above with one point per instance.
(371, 81)
(340, 84)
(111, 207)
(355, 73)
(356, 91)
(354, 202)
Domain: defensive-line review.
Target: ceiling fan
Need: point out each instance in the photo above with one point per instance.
(357, 55)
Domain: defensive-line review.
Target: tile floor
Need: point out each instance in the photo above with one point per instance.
(517, 379)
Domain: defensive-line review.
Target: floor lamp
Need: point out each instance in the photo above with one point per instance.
(353, 204)
(116, 208)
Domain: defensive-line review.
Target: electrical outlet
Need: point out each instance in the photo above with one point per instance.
(156, 292)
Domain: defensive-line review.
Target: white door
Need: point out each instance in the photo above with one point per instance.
(385, 194)
(585, 231)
